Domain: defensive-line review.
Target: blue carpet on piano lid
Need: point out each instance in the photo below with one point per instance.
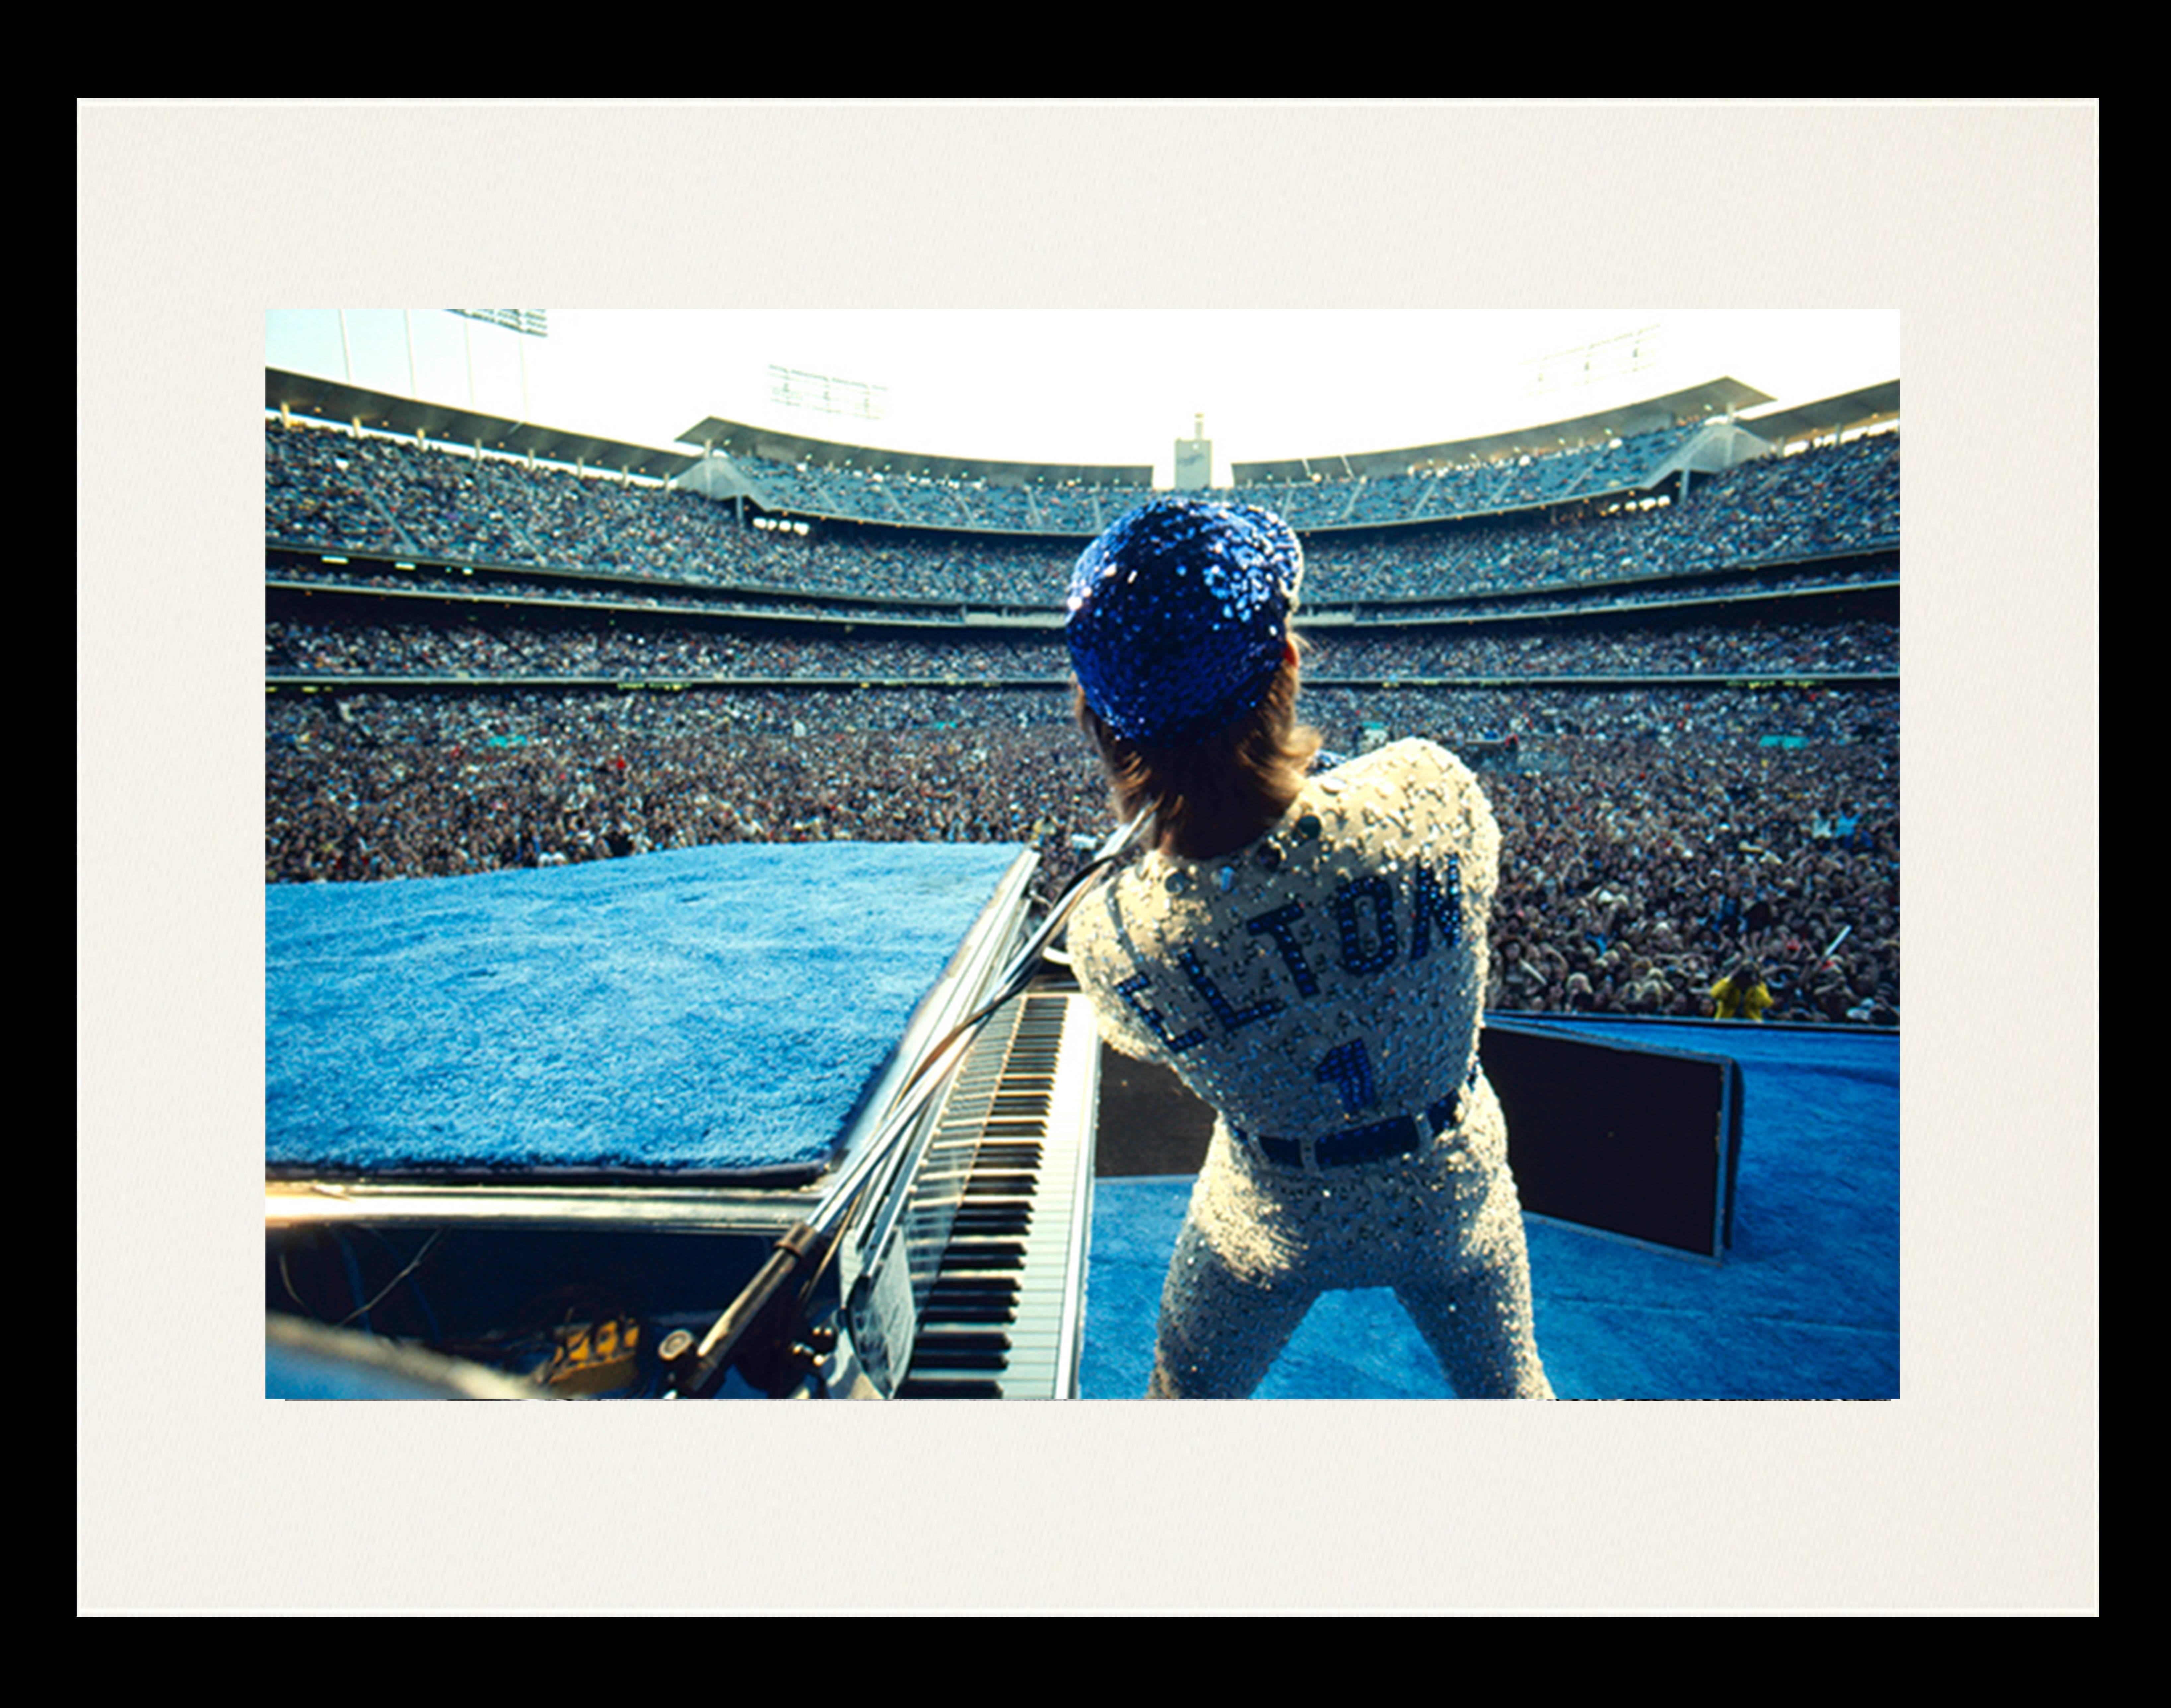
(1804, 1306)
(716, 1009)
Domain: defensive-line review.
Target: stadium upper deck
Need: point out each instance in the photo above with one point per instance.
(1689, 496)
(1615, 452)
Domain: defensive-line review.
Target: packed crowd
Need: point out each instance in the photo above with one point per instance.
(1639, 883)
(590, 593)
(436, 784)
(867, 495)
(1523, 650)
(1653, 839)
(1669, 588)
(1077, 508)
(442, 580)
(1656, 837)
(325, 488)
(1843, 498)
(507, 648)
(373, 495)
(1479, 489)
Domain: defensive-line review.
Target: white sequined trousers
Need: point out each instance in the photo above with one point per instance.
(1324, 985)
(1444, 1229)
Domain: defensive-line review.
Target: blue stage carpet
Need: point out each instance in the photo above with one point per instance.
(702, 1012)
(1805, 1306)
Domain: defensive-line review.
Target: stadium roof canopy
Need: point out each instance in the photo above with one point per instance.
(328, 399)
(1873, 403)
(1716, 397)
(735, 438)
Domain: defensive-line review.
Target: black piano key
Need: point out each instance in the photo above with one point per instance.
(994, 1221)
(940, 1387)
(965, 1339)
(959, 1302)
(971, 1254)
(985, 1351)
(993, 1207)
(999, 1186)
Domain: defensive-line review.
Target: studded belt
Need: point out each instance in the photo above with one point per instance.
(1398, 1135)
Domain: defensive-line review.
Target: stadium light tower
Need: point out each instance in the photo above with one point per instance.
(1194, 459)
(529, 323)
(1590, 364)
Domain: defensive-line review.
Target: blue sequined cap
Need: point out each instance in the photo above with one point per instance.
(1178, 617)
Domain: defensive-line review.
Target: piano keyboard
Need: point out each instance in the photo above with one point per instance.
(1010, 1170)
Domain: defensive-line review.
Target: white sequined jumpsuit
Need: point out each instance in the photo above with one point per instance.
(1321, 989)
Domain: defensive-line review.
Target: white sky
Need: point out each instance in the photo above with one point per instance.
(1088, 387)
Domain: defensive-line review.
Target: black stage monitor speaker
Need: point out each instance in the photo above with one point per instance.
(1635, 1141)
(1638, 1141)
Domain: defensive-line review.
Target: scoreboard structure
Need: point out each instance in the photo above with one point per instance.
(1194, 459)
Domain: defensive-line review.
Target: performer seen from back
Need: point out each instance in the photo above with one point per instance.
(1307, 950)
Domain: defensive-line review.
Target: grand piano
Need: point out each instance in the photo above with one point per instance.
(815, 1122)
(931, 1242)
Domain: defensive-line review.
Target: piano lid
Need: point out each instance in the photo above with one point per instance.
(730, 1014)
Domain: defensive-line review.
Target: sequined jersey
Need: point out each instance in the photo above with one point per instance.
(1322, 988)
(1330, 973)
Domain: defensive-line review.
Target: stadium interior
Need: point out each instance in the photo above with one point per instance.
(1667, 636)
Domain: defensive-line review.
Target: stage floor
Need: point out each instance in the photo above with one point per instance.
(1805, 1304)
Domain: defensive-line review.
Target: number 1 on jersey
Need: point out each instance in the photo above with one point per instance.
(1348, 1070)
